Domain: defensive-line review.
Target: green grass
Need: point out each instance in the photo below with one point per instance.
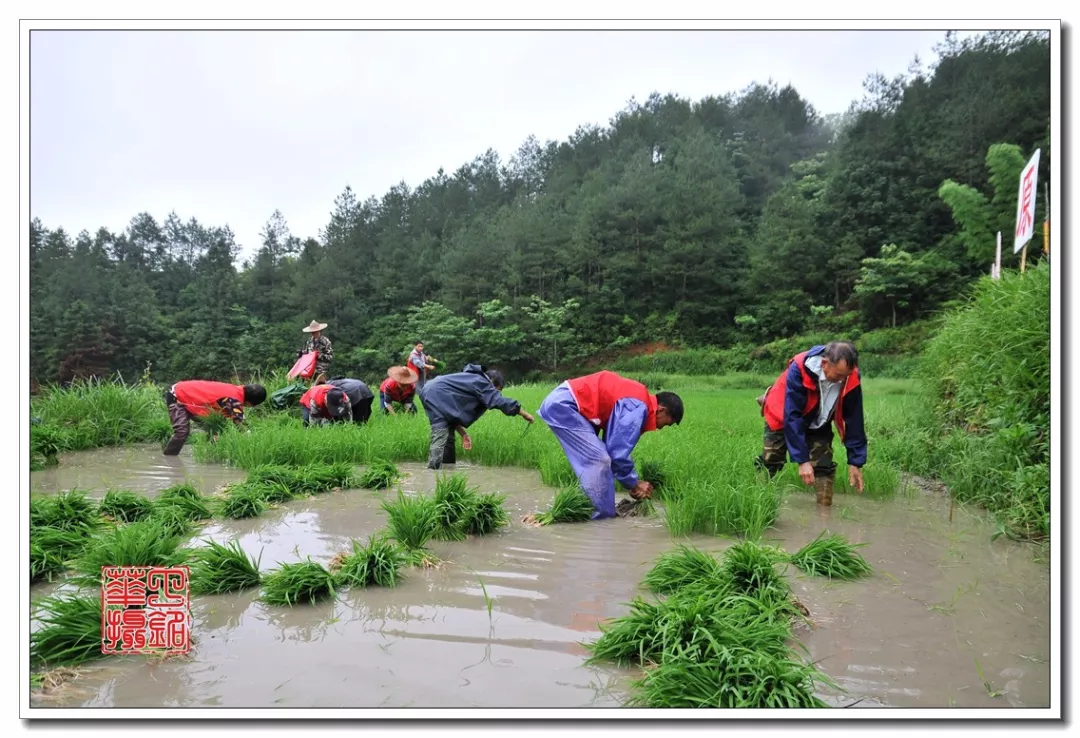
(454, 504)
(183, 491)
(51, 549)
(94, 413)
(126, 507)
(831, 555)
(69, 632)
(71, 510)
(218, 568)
(291, 584)
(187, 508)
(308, 479)
(487, 515)
(243, 500)
(379, 563)
(751, 567)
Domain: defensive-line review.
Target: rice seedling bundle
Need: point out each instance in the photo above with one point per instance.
(378, 563)
(752, 569)
(685, 565)
(69, 632)
(653, 472)
(290, 584)
(379, 474)
(487, 515)
(51, 549)
(187, 508)
(454, 503)
(219, 568)
(145, 543)
(733, 677)
(173, 519)
(306, 479)
(412, 521)
(832, 556)
(71, 510)
(243, 501)
(182, 491)
(125, 507)
(571, 505)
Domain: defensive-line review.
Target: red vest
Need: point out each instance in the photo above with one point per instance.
(774, 401)
(315, 398)
(199, 395)
(397, 392)
(596, 395)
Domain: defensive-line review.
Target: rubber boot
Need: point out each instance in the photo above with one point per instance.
(824, 488)
(172, 448)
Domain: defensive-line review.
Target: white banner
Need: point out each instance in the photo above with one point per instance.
(1025, 203)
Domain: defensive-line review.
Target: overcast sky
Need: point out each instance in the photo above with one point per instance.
(228, 126)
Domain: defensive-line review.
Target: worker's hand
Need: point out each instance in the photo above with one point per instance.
(855, 478)
(528, 418)
(641, 490)
(466, 442)
(806, 473)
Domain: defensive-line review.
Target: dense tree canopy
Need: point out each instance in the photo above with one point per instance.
(738, 217)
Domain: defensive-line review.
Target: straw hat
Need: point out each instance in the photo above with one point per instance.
(314, 326)
(401, 375)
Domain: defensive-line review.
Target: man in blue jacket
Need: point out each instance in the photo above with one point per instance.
(453, 402)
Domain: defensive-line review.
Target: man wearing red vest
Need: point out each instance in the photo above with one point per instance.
(199, 398)
(578, 410)
(324, 403)
(819, 386)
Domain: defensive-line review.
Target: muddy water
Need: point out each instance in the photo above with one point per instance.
(941, 597)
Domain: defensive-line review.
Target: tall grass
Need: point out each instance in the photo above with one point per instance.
(94, 413)
(988, 374)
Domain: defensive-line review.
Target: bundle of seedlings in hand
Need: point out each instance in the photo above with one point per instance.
(379, 474)
(145, 543)
(454, 504)
(243, 501)
(732, 677)
(378, 563)
(292, 583)
(695, 619)
(571, 505)
(683, 566)
(69, 632)
(652, 471)
(752, 570)
(487, 515)
(125, 507)
(831, 556)
(218, 568)
(412, 521)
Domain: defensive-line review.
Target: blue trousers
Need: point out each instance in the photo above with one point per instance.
(587, 454)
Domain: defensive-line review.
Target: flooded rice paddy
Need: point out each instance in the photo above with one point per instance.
(942, 597)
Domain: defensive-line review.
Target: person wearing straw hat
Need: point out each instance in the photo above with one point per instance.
(325, 403)
(320, 343)
(399, 386)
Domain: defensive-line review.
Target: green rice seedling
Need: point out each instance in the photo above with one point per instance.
(70, 631)
(378, 563)
(303, 480)
(274, 492)
(571, 505)
(173, 519)
(145, 543)
(71, 510)
(51, 549)
(454, 502)
(95, 413)
(182, 491)
(379, 474)
(412, 520)
(682, 566)
(190, 508)
(752, 569)
(832, 556)
(214, 424)
(733, 677)
(293, 583)
(46, 443)
(219, 568)
(243, 501)
(487, 515)
(695, 619)
(126, 507)
(653, 472)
